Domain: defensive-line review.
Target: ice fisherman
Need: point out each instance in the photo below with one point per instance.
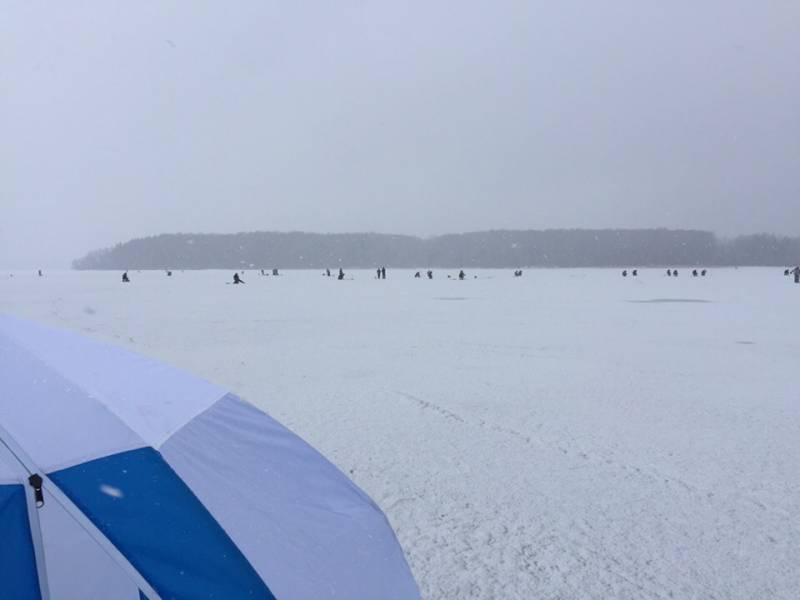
(125, 278)
(236, 279)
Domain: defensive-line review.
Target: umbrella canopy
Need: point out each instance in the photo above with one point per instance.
(122, 478)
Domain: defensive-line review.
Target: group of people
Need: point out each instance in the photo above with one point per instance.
(695, 273)
(381, 274)
(670, 273)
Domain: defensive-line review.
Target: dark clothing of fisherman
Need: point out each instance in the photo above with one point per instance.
(125, 278)
(236, 279)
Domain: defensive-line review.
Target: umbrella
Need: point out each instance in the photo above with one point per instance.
(123, 478)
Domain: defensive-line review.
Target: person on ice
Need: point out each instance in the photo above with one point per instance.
(625, 273)
(40, 272)
(383, 272)
(703, 273)
(430, 274)
(461, 275)
(378, 273)
(694, 272)
(416, 275)
(635, 273)
(236, 279)
(675, 273)
(669, 273)
(125, 278)
(796, 272)
(341, 274)
(786, 272)
(327, 272)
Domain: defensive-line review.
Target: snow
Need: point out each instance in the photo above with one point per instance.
(566, 434)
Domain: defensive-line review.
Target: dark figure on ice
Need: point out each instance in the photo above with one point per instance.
(125, 278)
(327, 272)
(635, 273)
(40, 272)
(275, 272)
(675, 273)
(694, 273)
(796, 272)
(625, 273)
(786, 272)
(341, 274)
(461, 275)
(430, 274)
(383, 272)
(169, 273)
(669, 273)
(378, 273)
(416, 275)
(236, 279)
(703, 272)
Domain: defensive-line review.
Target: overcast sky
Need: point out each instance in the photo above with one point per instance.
(123, 119)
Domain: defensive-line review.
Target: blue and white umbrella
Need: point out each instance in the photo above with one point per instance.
(122, 478)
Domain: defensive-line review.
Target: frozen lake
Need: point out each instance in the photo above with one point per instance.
(567, 434)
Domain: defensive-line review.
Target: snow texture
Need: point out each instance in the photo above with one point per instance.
(566, 434)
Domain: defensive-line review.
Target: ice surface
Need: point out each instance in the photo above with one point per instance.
(567, 434)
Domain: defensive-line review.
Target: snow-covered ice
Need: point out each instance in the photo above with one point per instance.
(567, 434)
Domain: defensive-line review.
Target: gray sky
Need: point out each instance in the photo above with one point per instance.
(123, 119)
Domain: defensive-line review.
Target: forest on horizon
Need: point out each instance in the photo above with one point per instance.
(487, 249)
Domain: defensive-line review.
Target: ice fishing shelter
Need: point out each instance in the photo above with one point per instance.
(122, 478)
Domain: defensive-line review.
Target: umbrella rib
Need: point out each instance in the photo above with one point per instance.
(77, 514)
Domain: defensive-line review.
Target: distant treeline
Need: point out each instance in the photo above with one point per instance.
(489, 249)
